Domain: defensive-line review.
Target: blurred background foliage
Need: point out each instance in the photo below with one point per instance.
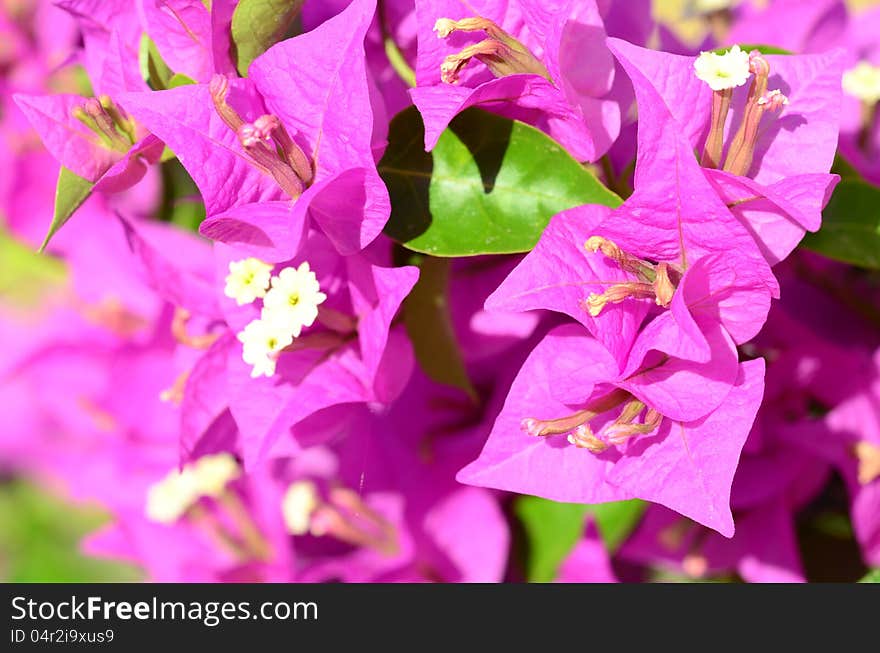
(40, 534)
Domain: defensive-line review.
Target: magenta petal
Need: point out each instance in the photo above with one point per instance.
(221, 24)
(778, 215)
(376, 295)
(794, 25)
(70, 141)
(588, 562)
(305, 382)
(577, 34)
(110, 541)
(183, 34)
(690, 467)
(98, 20)
(529, 98)
(572, 380)
(269, 231)
(812, 84)
(204, 397)
(188, 280)
(432, 50)
(129, 170)
(317, 85)
(351, 208)
(438, 105)
(671, 79)
(185, 119)
(677, 212)
(395, 368)
(724, 288)
(546, 467)
(674, 332)
(681, 389)
(120, 73)
(559, 274)
(770, 551)
(451, 523)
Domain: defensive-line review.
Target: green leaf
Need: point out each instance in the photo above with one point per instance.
(489, 187)
(40, 538)
(398, 62)
(553, 529)
(181, 202)
(154, 70)
(179, 79)
(833, 524)
(257, 25)
(844, 168)
(70, 193)
(429, 325)
(872, 576)
(850, 226)
(26, 278)
(617, 520)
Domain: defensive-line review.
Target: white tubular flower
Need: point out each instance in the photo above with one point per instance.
(723, 71)
(299, 503)
(292, 301)
(213, 473)
(863, 82)
(171, 497)
(247, 280)
(262, 342)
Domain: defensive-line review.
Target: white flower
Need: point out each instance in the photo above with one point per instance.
(299, 503)
(262, 342)
(247, 280)
(170, 498)
(723, 71)
(213, 472)
(863, 82)
(292, 301)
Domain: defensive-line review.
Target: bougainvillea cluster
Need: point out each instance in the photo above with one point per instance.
(283, 327)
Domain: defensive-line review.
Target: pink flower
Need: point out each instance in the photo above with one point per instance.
(534, 53)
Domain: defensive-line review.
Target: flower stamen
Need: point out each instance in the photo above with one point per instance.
(344, 516)
(502, 53)
(267, 142)
(741, 152)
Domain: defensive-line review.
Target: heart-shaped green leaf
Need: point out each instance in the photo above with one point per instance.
(489, 187)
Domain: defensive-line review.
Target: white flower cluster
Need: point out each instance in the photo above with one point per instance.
(290, 303)
(723, 71)
(863, 82)
(170, 498)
